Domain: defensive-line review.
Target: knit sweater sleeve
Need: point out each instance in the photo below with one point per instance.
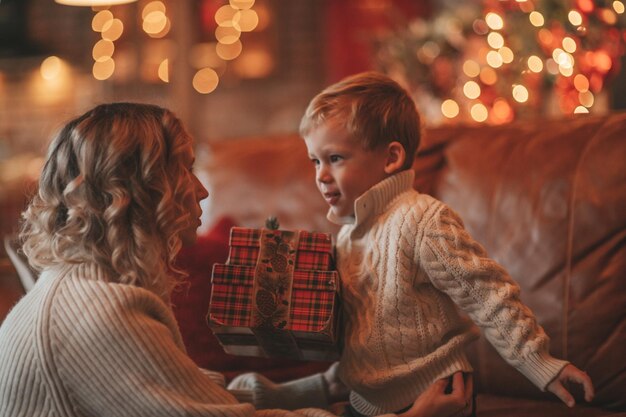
(117, 352)
(459, 266)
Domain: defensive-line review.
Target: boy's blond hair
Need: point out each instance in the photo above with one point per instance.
(373, 108)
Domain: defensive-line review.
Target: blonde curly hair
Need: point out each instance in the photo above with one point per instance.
(110, 194)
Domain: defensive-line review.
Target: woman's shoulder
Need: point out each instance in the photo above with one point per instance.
(90, 289)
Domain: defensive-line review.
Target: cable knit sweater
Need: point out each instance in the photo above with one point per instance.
(79, 345)
(406, 263)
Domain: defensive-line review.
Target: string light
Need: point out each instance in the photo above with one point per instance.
(520, 59)
(209, 59)
(450, 108)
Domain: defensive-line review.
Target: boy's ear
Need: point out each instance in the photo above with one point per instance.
(396, 155)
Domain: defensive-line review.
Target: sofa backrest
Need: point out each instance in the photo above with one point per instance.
(547, 199)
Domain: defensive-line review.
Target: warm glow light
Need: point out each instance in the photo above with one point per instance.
(586, 98)
(471, 68)
(494, 21)
(428, 52)
(581, 83)
(581, 110)
(112, 30)
(506, 54)
(205, 81)
(495, 40)
(585, 5)
(552, 66)
(242, 4)
(153, 6)
(502, 110)
(227, 35)
(575, 18)
(569, 44)
(164, 72)
(480, 27)
(488, 76)
(450, 108)
(93, 3)
(479, 112)
(536, 19)
(494, 59)
(230, 51)
(224, 15)
(164, 32)
(247, 20)
(526, 6)
(602, 61)
(103, 69)
(520, 93)
(100, 19)
(103, 50)
(566, 71)
(51, 67)
(618, 6)
(535, 64)
(471, 89)
(154, 22)
(563, 59)
(609, 16)
(545, 37)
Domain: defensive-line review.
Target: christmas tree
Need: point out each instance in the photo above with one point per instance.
(494, 61)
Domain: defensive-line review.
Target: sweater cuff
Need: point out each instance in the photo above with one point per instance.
(256, 389)
(541, 368)
(310, 391)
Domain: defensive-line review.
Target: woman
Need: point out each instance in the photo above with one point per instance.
(117, 199)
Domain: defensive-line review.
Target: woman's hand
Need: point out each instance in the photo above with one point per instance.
(434, 402)
(571, 373)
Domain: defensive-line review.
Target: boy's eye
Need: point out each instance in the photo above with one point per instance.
(335, 158)
(315, 161)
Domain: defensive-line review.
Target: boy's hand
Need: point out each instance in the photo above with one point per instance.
(571, 373)
(434, 402)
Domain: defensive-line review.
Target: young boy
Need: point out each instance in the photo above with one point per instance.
(405, 260)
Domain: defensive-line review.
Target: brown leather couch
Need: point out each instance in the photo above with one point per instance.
(548, 201)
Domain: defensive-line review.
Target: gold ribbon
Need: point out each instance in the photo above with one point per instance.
(271, 293)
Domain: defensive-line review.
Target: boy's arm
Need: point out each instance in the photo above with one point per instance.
(457, 265)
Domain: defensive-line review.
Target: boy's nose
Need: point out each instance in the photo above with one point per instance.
(323, 176)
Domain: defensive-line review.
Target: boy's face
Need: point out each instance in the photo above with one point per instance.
(344, 169)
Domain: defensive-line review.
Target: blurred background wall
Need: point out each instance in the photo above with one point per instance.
(241, 68)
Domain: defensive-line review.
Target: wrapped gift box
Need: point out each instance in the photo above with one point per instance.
(314, 251)
(273, 307)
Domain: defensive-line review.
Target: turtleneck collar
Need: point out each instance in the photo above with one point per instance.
(375, 200)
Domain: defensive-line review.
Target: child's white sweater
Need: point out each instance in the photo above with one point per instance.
(406, 263)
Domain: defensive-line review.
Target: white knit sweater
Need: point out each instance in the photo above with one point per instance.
(406, 263)
(78, 345)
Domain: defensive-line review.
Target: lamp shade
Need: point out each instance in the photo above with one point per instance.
(93, 2)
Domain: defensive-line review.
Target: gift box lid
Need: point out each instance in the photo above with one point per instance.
(308, 241)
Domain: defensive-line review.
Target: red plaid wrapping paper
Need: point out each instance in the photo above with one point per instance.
(314, 249)
(313, 298)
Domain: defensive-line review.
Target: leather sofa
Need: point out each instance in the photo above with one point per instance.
(546, 198)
